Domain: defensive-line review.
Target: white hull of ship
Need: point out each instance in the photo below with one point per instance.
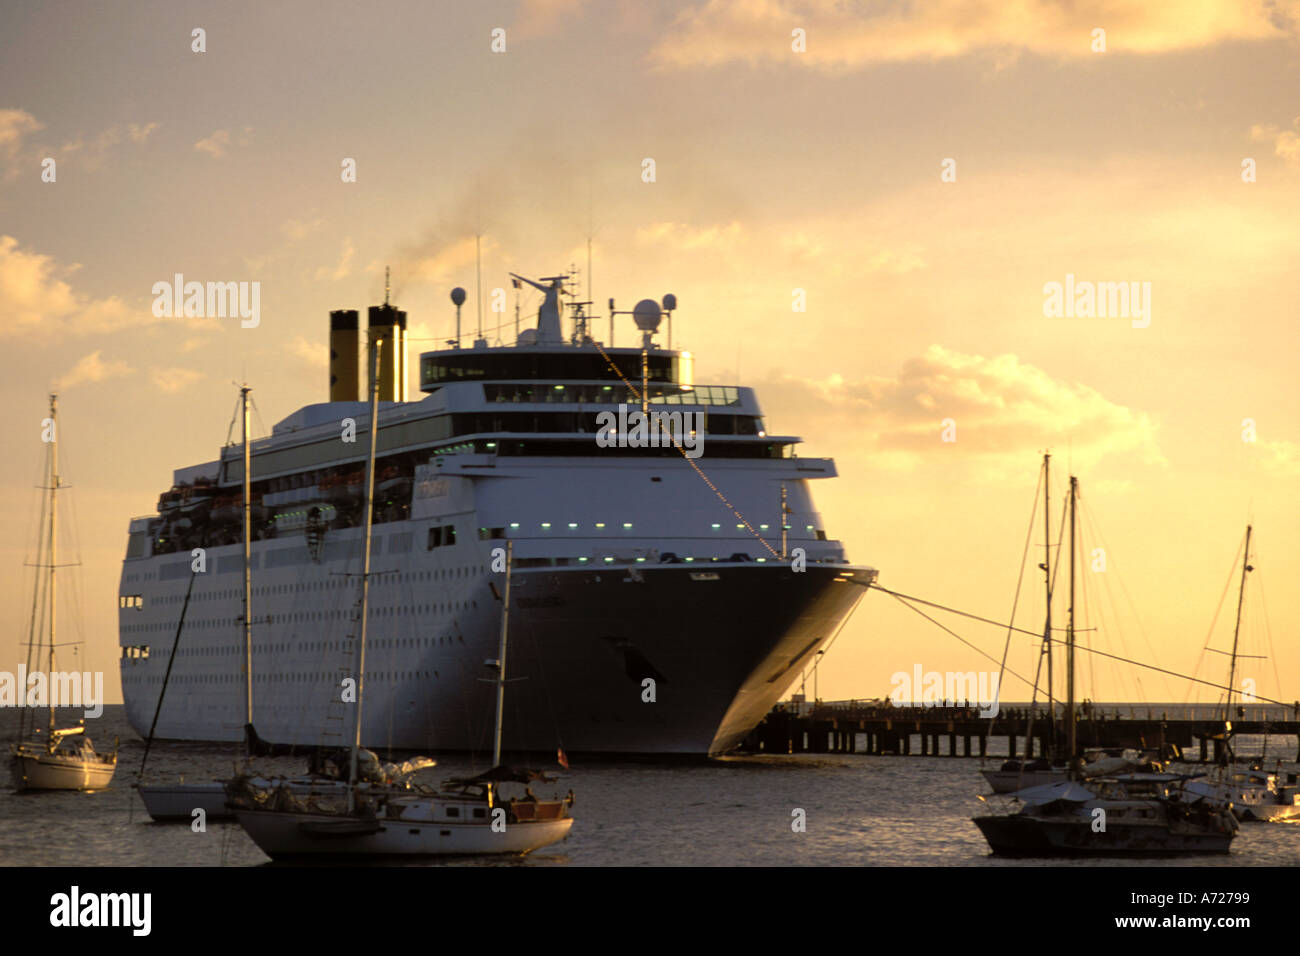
(722, 643)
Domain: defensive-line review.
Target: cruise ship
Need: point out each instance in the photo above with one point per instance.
(660, 603)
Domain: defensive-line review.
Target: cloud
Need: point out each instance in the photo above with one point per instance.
(295, 230)
(221, 141)
(1001, 408)
(140, 132)
(18, 152)
(14, 126)
(685, 236)
(90, 369)
(34, 299)
(849, 35)
(1286, 143)
(1278, 457)
(439, 263)
(343, 269)
(539, 17)
(826, 245)
(172, 380)
(315, 354)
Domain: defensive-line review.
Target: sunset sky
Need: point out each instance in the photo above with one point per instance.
(775, 170)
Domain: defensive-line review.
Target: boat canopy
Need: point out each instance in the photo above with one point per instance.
(1045, 793)
(506, 775)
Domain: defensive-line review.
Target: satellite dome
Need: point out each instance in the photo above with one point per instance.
(458, 296)
(647, 315)
(670, 302)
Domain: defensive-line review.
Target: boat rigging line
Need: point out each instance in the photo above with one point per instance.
(906, 598)
(676, 444)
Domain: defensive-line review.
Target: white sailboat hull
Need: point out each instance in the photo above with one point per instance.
(1009, 781)
(279, 834)
(167, 802)
(33, 770)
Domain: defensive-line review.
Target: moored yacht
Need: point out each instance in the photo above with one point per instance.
(1109, 818)
(1137, 814)
(60, 758)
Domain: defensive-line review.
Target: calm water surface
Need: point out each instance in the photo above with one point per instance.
(861, 811)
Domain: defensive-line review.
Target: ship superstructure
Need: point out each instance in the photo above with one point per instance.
(661, 603)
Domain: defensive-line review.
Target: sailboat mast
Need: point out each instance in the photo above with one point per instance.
(1047, 583)
(365, 569)
(54, 538)
(1069, 634)
(248, 576)
(501, 658)
(1236, 632)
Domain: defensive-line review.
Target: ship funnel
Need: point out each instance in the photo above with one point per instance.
(389, 324)
(548, 316)
(344, 340)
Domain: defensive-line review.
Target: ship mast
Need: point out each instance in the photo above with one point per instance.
(248, 575)
(1069, 636)
(501, 660)
(1236, 632)
(1047, 580)
(365, 573)
(54, 521)
(1046, 648)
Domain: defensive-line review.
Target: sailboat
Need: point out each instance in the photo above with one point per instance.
(178, 801)
(370, 818)
(1016, 774)
(65, 758)
(1129, 815)
(1255, 794)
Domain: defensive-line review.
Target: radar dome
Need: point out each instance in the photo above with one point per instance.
(670, 302)
(458, 296)
(647, 315)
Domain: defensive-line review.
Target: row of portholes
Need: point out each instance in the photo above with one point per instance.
(380, 579)
(301, 677)
(392, 643)
(304, 617)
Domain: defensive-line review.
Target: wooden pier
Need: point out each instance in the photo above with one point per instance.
(851, 728)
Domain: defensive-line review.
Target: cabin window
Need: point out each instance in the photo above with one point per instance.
(453, 811)
(442, 536)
